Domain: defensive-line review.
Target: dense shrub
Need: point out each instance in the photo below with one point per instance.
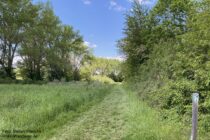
(103, 79)
(116, 77)
(167, 50)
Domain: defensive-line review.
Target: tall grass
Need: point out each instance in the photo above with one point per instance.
(45, 107)
(145, 123)
(149, 93)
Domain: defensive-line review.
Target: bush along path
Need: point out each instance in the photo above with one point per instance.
(120, 115)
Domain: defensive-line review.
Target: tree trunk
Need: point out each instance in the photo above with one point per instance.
(9, 69)
(38, 73)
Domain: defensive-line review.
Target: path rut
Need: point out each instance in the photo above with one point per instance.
(104, 121)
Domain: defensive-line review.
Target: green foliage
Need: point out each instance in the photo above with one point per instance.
(102, 79)
(15, 16)
(134, 44)
(61, 57)
(39, 37)
(48, 49)
(103, 67)
(117, 77)
(177, 37)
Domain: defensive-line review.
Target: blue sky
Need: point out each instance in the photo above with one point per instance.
(100, 22)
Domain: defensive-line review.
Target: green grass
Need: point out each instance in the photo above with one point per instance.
(72, 111)
(46, 107)
(105, 121)
(146, 123)
(121, 116)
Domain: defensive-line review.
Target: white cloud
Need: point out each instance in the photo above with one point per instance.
(145, 2)
(90, 45)
(87, 2)
(113, 5)
(120, 58)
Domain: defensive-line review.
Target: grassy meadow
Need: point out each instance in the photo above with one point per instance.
(46, 107)
(77, 111)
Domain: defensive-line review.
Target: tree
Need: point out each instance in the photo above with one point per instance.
(66, 56)
(171, 17)
(15, 19)
(40, 37)
(134, 45)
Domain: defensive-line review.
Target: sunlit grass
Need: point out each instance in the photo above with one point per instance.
(46, 107)
(146, 124)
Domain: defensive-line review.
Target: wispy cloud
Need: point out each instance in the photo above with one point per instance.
(120, 58)
(87, 2)
(145, 2)
(90, 45)
(113, 5)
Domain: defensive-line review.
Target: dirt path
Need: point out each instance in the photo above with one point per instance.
(104, 121)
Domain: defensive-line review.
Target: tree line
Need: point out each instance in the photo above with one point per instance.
(48, 49)
(102, 68)
(167, 49)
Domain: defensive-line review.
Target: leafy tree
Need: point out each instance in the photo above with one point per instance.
(15, 19)
(171, 17)
(136, 45)
(39, 38)
(66, 56)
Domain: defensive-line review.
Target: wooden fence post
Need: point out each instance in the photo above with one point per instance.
(195, 98)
